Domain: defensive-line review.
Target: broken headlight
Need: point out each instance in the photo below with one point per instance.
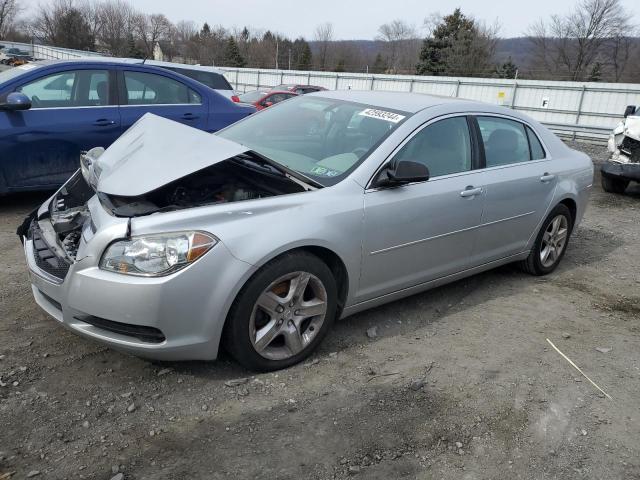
(156, 255)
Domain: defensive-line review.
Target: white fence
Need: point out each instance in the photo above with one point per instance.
(587, 110)
(44, 52)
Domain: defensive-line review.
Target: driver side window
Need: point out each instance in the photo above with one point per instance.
(80, 88)
(444, 147)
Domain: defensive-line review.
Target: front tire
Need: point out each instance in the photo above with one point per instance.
(282, 314)
(551, 242)
(614, 185)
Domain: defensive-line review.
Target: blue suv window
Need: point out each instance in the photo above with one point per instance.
(150, 89)
(81, 88)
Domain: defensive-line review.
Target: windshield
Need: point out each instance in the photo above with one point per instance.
(14, 72)
(323, 139)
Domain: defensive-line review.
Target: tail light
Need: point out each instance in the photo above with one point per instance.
(235, 98)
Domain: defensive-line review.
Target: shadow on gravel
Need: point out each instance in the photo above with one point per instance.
(402, 428)
(590, 245)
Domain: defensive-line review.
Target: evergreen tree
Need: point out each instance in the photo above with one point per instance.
(454, 30)
(339, 66)
(132, 49)
(379, 65)
(596, 73)
(305, 59)
(507, 70)
(205, 31)
(232, 55)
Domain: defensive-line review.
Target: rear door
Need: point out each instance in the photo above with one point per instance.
(520, 182)
(71, 110)
(160, 94)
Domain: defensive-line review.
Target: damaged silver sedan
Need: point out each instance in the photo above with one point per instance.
(173, 242)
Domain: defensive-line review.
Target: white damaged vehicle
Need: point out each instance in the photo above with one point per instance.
(624, 145)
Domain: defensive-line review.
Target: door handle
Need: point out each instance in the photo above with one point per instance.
(547, 177)
(104, 122)
(189, 116)
(471, 191)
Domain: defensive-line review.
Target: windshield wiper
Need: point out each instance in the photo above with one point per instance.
(272, 166)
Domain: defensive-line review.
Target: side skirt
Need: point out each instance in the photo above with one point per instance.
(407, 292)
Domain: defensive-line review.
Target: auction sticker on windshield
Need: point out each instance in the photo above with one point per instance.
(382, 115)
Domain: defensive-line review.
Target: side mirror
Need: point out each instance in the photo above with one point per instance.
(267, 104)
(405, 171)
(630, 110)
(16, 101)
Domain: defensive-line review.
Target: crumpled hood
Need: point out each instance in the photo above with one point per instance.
(156, 151)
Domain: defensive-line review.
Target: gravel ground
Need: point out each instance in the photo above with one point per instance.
(456, 383)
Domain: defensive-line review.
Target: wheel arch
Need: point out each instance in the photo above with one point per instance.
(572, 205)
(335, 263)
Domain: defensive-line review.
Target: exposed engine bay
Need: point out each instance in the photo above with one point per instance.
(244, 177)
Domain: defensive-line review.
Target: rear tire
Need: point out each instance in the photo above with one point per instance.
(614, 185)
(551, 242)
(282, 313)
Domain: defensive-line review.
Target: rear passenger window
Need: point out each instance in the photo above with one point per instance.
(444, 147)
(537, 152)
(505, 141)
(151, 89)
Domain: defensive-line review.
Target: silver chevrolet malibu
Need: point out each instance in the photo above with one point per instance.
(174, 242)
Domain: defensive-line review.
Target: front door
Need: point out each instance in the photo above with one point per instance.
(71, 111)
(423, 231)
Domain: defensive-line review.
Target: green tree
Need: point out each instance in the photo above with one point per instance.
(596, 73)
(379, 65)
(232, 55)
(507, 70)
(457, 46)
(133, 51)
(305, 59)
(339, 66)
(73, 31)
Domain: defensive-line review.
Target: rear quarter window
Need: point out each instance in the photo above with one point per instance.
(210, 79)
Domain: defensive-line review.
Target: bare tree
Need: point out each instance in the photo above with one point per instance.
(116, 19)
(9, 9)
(621, 50)
(151, 29)
(323, 35)
(400, 41)
(572, 44)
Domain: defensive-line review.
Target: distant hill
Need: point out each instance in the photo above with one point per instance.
(363, 52)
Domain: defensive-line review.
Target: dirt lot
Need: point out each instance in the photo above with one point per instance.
(459, 383)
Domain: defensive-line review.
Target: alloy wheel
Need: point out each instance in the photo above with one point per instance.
(554, 241)
(288, 315)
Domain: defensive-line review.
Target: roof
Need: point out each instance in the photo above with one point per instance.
(405, 101)
(132, 61)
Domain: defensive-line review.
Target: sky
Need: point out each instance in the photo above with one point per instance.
(353, 19)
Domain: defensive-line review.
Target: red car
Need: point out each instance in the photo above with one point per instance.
(298, 88)
(265, 98)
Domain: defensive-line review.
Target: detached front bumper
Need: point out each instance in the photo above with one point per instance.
(176, 317)
(626, 171)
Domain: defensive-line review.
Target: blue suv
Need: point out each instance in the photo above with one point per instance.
(50, 111)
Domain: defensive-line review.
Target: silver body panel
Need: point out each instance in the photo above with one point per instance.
(392, 242)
